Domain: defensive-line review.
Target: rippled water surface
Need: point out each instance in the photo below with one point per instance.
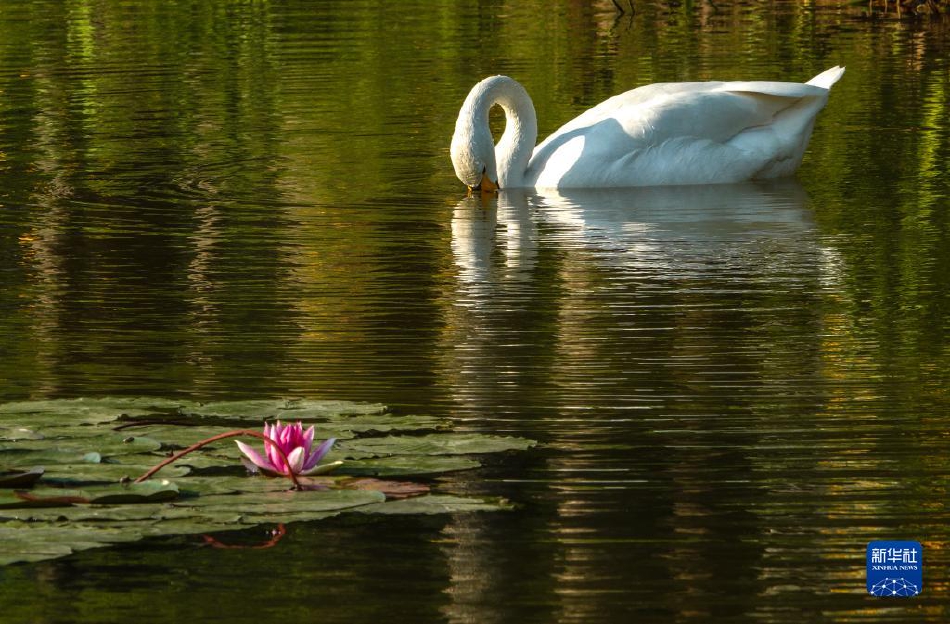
(736, 388)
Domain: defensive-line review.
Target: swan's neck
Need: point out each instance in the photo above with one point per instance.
(513, 151)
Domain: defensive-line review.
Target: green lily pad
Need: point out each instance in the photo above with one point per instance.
(379, 423)
(112, 472)
(19, 433)
(20, 478)
(394, 490)
(275, 506)
(54, 451)
(90, 410)
(407, 466)
(92, 448)
(134, 493)
(276, 502)
(124, 494)
(21, 541)
(436, 504)
(284, 409)
(434, 444)
(110, 516)
(41, 497)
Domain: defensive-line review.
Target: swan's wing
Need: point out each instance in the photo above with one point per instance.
(711, 110)
(694, 119)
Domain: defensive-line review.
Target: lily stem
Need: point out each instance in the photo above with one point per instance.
(222, 436)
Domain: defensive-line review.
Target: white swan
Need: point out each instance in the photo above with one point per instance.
(661, 134)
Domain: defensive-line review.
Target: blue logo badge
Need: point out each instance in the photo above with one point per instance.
(895, 569)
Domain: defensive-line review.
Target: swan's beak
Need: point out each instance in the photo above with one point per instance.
(486, 186)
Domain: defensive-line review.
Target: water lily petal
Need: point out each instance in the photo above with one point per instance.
(275, 459)
(296, 459)
(308, 438)
(254, 456)
(267, 434)
(273, 455)
(321, 469)
(318, 453)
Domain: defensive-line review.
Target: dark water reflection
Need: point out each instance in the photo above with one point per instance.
(736, 387)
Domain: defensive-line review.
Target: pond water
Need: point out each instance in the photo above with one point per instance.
(735, 388)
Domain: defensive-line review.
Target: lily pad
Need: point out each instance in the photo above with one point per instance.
(20, 478)
(43, 497)
(434, 444)
(22, 541)
(275, 503)
(19, 433)
(84, 499)
(112, 472)
(407, 466)
(436, 504)
(284, 409)
(132, 493)
(106, 444)
(394, 490)
(90, 410)
(135, 493)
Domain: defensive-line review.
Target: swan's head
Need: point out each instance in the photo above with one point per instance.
(473, 154)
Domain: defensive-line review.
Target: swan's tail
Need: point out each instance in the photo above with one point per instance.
(827, 78)
(791, 128)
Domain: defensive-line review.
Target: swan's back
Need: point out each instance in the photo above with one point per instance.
(684, 133)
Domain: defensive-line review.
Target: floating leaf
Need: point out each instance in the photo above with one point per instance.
(20, 541)
(284, 409)
(285, 506)
(434, 444)
(435, 504)
(394, 490)
(406, 466)
(19, 433)
(106, 444)
(90, 410)
(134, 493)
(379, 423)
(112, 472)
(20, 478)
(42, 497)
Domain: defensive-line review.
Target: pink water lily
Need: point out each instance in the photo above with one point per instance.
(297, 446)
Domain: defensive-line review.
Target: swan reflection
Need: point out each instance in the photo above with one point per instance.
(652, 228)
(478, 227)
(569, 288)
